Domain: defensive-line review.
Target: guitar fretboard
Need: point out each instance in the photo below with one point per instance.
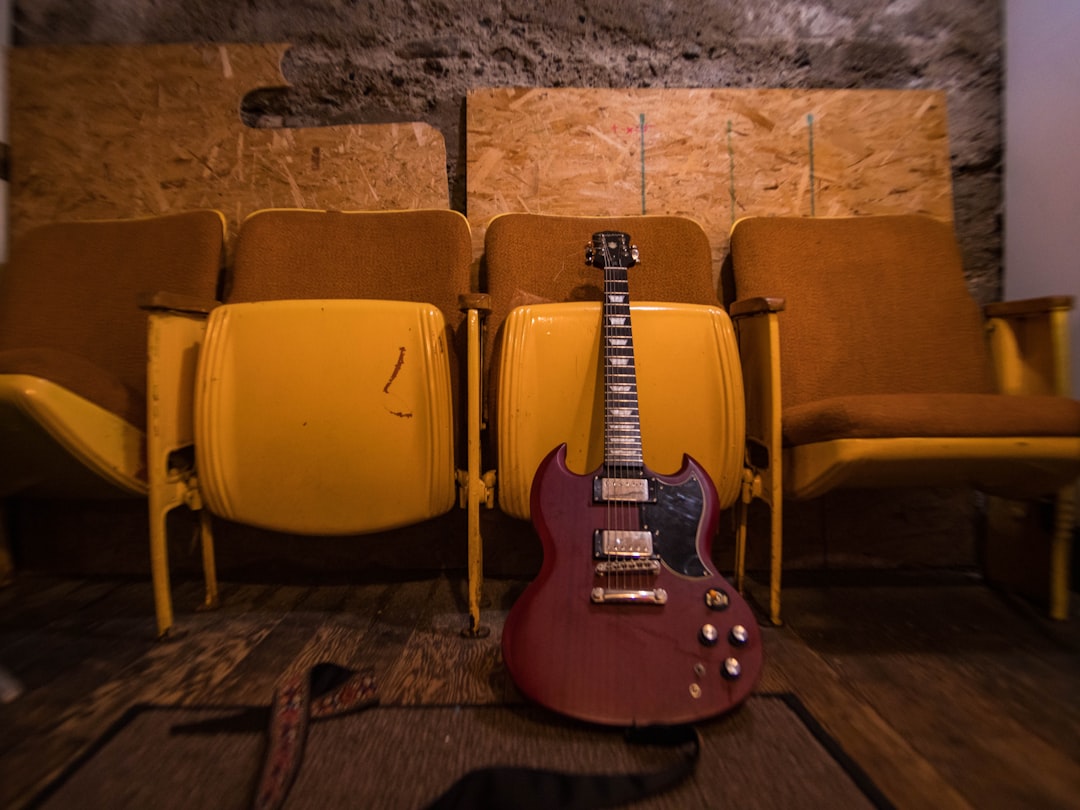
(622, 426)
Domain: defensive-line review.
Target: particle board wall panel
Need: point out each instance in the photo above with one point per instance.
(122, 131)
(711, 154)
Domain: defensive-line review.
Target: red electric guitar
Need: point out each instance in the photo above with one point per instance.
(627, 623)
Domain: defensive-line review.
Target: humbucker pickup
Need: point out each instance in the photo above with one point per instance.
(632, 490)
(633, 544)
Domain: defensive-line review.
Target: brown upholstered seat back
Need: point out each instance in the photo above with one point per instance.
(416, 255)
(69, 307)
(421, 256)
(874, 305)
(533, 258)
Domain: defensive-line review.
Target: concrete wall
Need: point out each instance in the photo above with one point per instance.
(386, 60)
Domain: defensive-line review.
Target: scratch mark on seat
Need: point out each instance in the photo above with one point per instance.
(396, 371)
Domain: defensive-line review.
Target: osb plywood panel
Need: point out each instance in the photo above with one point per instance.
(714, 155)
(104, 131)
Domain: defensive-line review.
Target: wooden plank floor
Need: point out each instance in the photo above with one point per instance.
(946, 693)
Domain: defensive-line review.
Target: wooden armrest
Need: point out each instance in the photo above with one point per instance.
(175, 302)
(477, 301)
(755, 306)
(1029, 306)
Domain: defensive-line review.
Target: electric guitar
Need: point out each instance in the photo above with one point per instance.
(627, 623)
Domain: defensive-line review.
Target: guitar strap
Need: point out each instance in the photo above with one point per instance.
(328, 691)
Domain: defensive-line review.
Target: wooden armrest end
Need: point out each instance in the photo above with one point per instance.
(1029, 306)
(175, 302)
(755, 306)
(478, 301)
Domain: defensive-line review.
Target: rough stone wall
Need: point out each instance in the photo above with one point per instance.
(357, 61)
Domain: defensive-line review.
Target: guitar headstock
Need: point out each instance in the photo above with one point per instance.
(611, 249)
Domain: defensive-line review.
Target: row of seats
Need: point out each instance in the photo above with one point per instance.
(350, 373)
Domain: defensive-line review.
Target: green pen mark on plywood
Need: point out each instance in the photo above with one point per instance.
(641, 127)
(731, 170)
(810, 131)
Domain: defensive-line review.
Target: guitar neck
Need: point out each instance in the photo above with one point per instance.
(622, 426)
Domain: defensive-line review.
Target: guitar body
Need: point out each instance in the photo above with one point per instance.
(630, 661)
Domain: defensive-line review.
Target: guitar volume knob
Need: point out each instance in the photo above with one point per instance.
(708, 635)
(731, 668)
(738, 636)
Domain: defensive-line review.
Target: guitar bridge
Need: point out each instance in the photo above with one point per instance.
(608, 567)
(619, 596)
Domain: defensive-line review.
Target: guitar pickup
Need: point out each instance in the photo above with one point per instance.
(631, 544)
(627, 490)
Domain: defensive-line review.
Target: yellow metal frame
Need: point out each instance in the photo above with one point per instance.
(477, 488)
(759, 351)
(175, 339)
(1022, 466)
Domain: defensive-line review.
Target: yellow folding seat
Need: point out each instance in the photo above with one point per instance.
(73, 347)
(868, 364)
(325, 392)
(542, 350)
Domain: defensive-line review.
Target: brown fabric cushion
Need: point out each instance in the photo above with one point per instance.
(534, 258)
(905, 415)
(421, 256)
(875, 305)
(69, 299)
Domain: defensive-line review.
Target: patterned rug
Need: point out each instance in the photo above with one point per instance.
(770, 753)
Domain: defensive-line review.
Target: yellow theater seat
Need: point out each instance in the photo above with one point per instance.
(551, 391)
(73, 347)
(306, 408)
(868, 364)
(326, 392)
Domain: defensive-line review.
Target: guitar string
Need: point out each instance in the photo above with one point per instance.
(611, 460)
(624, 506)
(609, 389)
(619, 401)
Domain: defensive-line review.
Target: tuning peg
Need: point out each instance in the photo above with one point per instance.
(634, 254)
(588, 254)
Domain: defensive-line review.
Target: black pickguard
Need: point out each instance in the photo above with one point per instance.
(673, 517)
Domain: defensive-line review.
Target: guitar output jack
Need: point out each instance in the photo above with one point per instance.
(716, 599)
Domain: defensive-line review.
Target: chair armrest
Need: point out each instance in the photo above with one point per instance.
(1028, 343)
(174, 302)
(755, 306)
(481, 302)
(1029, 306)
